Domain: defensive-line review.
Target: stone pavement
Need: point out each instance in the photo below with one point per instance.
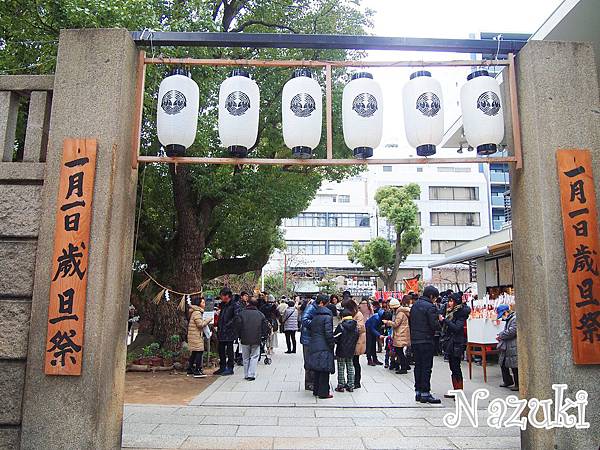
(275, 412)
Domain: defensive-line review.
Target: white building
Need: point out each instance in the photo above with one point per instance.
(454, 209)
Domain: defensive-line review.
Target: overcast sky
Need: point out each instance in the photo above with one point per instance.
(441, 19)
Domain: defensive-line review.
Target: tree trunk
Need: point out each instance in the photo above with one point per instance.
(397, 260)
(388, 280)
(389, 283)
(188, 250)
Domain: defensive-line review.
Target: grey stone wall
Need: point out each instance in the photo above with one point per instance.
(20, 208)
(558, 104)
(93, 97)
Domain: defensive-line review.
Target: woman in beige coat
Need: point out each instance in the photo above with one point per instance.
(401, 333)
(361, 344)
(196, 324)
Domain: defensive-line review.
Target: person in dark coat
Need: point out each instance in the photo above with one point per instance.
(308, 313)
(376, 304)
(507, 346)
(373, 325)
(332, 305)
(388, 314)
(226, 332)
(252, 326)
(270, 311)
(453, 339)
(346, 337)
(320, 347)
(424, 322)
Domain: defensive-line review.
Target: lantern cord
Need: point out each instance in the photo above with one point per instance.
(498, 39)
(137, 226)
(169, 289)
(510, 235)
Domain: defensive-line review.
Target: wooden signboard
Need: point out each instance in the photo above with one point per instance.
(66, 310)
(582, 250)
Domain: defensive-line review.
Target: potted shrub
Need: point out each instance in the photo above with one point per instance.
(155, 359)
(167, 358)
(147, 353)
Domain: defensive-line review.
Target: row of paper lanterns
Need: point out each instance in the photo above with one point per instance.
(362, 113)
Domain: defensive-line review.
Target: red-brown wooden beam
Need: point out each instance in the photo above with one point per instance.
(320, 162)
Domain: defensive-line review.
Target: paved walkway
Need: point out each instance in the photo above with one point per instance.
(275, 412)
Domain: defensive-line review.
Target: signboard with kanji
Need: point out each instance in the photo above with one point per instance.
(66, 310)
(582, 251)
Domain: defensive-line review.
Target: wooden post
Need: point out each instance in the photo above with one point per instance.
(514, 109)
(139, 109)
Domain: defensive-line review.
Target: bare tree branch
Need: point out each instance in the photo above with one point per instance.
(216, 9)
(214, 269)
(264, 24)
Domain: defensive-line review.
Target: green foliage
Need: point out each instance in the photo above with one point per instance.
(376, 255)
(274, 285)
(238, 209)
(397, 205)
(328, 286)
(168, 354)
(151, 350)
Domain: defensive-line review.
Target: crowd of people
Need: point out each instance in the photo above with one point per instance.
(335, 330)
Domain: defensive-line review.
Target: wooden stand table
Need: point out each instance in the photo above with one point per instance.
(483, 351)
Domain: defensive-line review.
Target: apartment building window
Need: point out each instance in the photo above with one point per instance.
(497, 221)
(313, 219)
(453, 193)
(348, 220)
(343, 199)
(339, 247)
(320, 247)
(418, 249)
(458, 219)
(387, 168)
(307, 247)
(499, 168)
(308, 219)
(419, 169)
(440, 247)
(454, 169)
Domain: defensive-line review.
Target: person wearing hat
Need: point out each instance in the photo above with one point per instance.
(400, 333)
(507, 346)
(424, 321)
(453, 339)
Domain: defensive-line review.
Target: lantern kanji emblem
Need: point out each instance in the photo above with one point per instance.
(173, 102)
(489, 103)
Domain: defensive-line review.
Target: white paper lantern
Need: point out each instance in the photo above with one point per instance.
(239, 105)
(423, 112)
(177, 112)
(301, 113)
(482, 111)
(362, 108)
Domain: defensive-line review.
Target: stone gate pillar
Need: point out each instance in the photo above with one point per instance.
(559, 108)
(93, 98)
